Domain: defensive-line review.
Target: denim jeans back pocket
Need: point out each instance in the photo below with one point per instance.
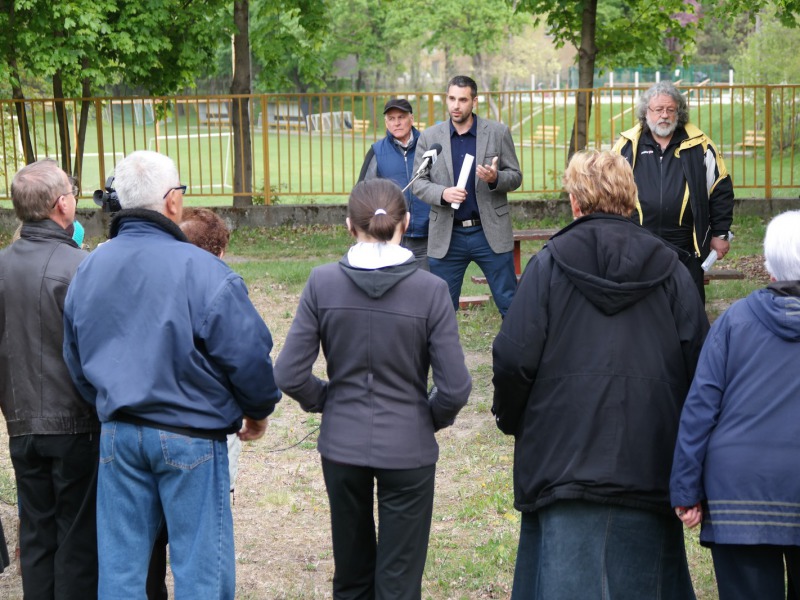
(184, 452)
(107, 433)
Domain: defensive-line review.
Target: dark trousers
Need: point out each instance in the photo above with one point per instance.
(391, 566)
(419, 246)
(156, 586)
(56, 490)
(746, 572)
(698, 275)
(469, 244)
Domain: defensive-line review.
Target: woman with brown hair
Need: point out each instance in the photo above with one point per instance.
(382, 323)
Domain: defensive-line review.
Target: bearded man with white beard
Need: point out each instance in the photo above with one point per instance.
(685, 192)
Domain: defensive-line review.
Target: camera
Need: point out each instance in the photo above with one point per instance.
(107, 198)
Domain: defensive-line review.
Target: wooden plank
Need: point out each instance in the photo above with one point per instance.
(546, 133)
(534, 234)
(467, 301)
(713, 274)
(481, 280)
(722, 275)
(361, 125)
(753, 139)
(526, 235)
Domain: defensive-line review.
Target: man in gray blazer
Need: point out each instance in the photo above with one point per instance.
(471, 222)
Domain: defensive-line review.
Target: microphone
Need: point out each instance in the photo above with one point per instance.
(429, 158)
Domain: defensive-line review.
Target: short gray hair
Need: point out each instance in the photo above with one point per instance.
(663, 88)
(35, 189)
(782, 246)
(142, 178)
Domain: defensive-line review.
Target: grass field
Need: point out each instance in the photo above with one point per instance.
(280, 510)
(300, 166)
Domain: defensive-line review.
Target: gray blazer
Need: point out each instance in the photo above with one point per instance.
(494, 139)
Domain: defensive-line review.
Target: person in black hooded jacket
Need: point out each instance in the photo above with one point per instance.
(591, 368)
(382, 323)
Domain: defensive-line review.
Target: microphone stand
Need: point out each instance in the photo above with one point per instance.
(417, 176)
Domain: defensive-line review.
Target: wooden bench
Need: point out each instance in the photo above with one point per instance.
(528, 235)
(722, 275)
(213, 112)
(753, 139)
(283, 115)
(546, 133)
(469, 301)
(712, 274)
(287, 124)
(546, 234)
(361, 125)
(519, 237)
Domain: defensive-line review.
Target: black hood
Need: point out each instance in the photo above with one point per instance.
(376, 282)
(612, 261)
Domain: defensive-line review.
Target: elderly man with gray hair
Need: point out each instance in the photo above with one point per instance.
(685, 192)
(161, 337)
(53, 433)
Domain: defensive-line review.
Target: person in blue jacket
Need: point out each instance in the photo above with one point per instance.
(736, 466)
(161, 338)
(392, 157)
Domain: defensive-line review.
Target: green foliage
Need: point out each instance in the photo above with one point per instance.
(718, 40)
(763, 57)
(786, 11)
(157, 44)
(286, 37)
(628, 32)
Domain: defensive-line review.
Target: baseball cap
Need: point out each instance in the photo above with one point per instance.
(400, 103)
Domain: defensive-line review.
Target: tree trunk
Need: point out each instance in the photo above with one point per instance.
(63, 122)
(240, 117)
(485, 80)
(16, 91)
(86, 104)
(586, 58)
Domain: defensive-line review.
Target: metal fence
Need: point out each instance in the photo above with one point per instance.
(310, 147)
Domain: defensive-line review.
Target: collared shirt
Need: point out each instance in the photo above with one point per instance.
(460, 146)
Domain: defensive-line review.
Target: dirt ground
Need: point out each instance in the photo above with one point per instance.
(280, 511)
(280, 508)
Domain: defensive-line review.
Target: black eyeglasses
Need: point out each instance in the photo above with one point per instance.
(182, 188)
(74, 191)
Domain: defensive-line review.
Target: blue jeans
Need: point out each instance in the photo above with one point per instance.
(575, 549)
(147, 476)
(467, 245)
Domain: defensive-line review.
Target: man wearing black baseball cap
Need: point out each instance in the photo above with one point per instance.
(392, 157)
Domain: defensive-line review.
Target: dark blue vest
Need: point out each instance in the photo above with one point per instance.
(398, 166)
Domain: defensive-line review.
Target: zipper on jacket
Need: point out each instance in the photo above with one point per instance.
(409, 204)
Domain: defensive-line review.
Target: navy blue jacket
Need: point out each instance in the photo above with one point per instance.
(387, 160)
(159, 330)
(739, 436)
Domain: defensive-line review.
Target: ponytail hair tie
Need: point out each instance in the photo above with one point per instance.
(380, 211)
